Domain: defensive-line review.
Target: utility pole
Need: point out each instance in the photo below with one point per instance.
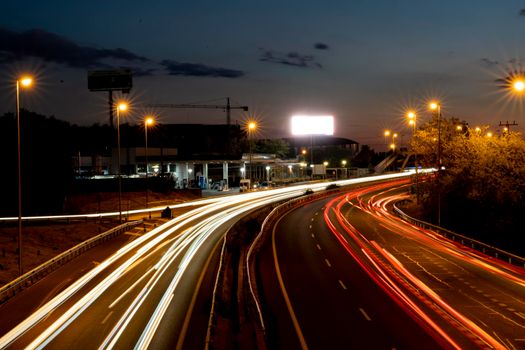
(507, 125)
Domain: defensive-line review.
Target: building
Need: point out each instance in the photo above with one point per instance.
(206, 155)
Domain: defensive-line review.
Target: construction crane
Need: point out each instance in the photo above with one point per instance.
(228, 107)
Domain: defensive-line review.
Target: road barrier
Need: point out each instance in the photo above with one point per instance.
(12, 288)
(463, 240)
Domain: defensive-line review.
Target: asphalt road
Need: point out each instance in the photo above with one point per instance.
(143, 295)
(344, 273)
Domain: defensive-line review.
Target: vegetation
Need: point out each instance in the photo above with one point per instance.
(279, 147)
(483, 185)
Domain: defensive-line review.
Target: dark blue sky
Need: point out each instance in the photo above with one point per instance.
(365, 61)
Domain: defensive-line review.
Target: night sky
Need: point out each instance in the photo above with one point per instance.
(364, 61)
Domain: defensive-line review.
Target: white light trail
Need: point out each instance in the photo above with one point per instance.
(204, 220)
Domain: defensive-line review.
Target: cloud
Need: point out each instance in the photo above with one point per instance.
(488, 62)
(51, 47)
(55, 48)
(321, 46)
(522, 12)
(290, 59)
(142, 72)
(199, 70)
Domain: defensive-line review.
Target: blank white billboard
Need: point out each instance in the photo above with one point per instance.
(312, 125)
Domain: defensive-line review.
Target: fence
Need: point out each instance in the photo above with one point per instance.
(466, 241)
(26, 280)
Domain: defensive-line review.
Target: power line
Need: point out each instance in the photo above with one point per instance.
(507, 125)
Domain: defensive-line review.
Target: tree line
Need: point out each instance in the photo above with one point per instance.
(482, 184)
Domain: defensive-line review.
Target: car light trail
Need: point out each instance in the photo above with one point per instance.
(387, 271)
(198, 225)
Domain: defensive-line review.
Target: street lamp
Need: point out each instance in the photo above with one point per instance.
(25, 82)
(411, 115)
(147, 122)
(343, 162)
(518, 85)
(121, 107)
(268, 173)
(435, 106)
(394, 136)
(251, 126)
(386, 133)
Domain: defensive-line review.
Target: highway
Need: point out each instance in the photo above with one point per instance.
(143, 295)
(344, 272)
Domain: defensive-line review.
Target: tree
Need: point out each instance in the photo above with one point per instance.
(482, 187)
(487, 169)
(279, 147)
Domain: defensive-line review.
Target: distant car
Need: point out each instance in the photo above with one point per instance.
(266, 184)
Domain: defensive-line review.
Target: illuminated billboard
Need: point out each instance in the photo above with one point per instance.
(312, 125)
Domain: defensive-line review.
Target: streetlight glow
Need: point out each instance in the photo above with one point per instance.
(518, 85)
(26, 81)
(122, 106)
(387, 133)
(433, 105)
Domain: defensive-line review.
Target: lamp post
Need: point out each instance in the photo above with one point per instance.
(147, 122)
(343, 162)
(251, 129)
(394, 136)
(24, 82)
(386, 134)
(435, 106)
(122, 106)
(268, 173)
(412, 117)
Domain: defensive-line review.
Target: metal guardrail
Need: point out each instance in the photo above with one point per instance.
(12, 288)
(463, 240)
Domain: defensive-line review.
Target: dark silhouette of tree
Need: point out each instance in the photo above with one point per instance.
(483, 184)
